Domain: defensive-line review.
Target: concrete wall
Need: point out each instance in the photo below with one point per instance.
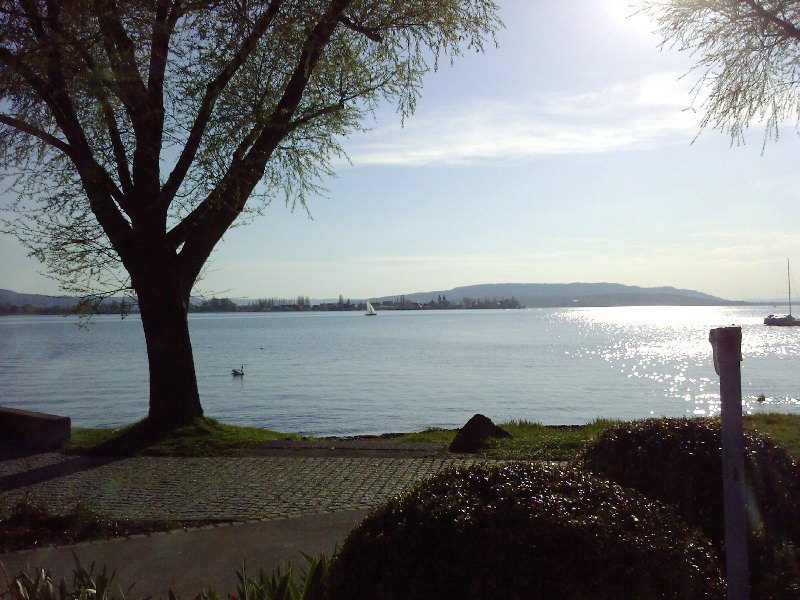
(27, 431)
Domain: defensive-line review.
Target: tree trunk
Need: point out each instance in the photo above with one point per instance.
(174, 399)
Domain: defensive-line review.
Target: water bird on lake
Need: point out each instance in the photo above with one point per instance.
(238, 372)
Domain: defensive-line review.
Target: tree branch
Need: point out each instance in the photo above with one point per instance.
(94, 81)
(366, 31)
(213, 90)
(34, 18)
(100, 188)
(253, 134)
(163, 28)
(789, 29)
(121, 57)
(24, 127)
(201, 229)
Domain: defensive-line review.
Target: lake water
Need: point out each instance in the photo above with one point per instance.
(341, 373)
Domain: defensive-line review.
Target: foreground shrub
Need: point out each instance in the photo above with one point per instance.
(31, 522)
(520, 531)
(679, 462)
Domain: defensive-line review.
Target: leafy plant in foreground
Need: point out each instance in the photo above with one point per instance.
(282, 584)
(85, 586)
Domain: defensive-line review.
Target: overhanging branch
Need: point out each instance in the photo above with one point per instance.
(365, 31)
(789, 29)
(119, 50)
(24, 127)
(95, 83)
(213, 90)
(203, 227)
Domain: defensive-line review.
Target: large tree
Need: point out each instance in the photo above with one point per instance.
(748, 55)
(134, 133)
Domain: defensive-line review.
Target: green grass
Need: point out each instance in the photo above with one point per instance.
(534, 441)
(432, 435)
(782, 428)
(205, 437)
(530, 441)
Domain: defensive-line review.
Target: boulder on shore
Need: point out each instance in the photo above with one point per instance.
(475, 433)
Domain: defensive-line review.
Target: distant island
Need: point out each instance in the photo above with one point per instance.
(559, 295)
(486, 296)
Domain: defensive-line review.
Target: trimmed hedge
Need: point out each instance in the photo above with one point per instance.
(679, 462)
(522, 531)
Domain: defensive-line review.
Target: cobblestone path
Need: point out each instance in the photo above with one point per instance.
(213, 488)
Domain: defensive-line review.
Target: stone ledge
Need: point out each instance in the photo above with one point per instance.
(23, 431)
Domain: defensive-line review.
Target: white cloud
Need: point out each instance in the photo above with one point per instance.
(623, 116)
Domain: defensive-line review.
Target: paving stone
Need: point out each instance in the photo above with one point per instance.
(174, 488)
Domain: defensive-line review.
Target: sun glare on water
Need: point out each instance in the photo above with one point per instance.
(669, 346)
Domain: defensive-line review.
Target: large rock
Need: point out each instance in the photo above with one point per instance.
(23, 431)
(475, 433)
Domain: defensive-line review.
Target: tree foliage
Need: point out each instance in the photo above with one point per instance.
(177, 117)
(748, 55)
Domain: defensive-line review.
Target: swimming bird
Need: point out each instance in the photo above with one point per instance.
(238, 372)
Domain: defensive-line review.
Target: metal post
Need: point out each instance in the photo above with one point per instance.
(727, 344)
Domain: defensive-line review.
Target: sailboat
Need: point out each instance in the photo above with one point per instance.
(371, 312)
(784, 320)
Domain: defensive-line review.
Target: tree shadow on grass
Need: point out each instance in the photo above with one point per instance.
(130, 441)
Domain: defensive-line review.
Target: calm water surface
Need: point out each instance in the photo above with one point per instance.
(341, 373)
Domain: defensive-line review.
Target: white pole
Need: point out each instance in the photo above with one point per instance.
(727, 345)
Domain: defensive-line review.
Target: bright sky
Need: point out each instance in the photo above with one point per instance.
(565, 155)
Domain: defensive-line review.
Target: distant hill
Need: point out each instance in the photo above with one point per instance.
(35, 300)
(528, 294)
(574, 294)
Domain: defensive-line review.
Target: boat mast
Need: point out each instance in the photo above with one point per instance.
(789, 277)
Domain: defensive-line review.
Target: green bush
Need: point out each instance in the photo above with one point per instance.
(679, 462)
(521, 531)
(30, 522)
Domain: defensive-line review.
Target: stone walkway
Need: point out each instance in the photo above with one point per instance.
(246, 488)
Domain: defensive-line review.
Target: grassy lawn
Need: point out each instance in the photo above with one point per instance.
(206, 437)
(783, 428)
(534, 441)
(530, 441)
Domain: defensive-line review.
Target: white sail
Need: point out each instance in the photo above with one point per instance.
(370, 309)
(785, 320)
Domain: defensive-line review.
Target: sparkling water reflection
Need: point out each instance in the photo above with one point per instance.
(669, 345)
(339, 373)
